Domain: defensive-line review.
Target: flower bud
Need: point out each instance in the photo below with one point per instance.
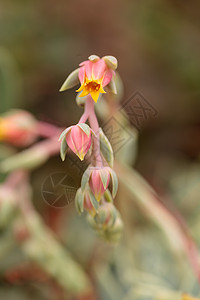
(111, 231)
(78, 138)
(99, 181)
(18, 128)
(86, 200)
(106, 215)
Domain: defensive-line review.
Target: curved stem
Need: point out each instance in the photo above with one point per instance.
(95, 127)
(46, 130)
(84, 116)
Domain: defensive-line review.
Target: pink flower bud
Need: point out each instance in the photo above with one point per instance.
(18, 128)
(106, 216)
(79, 139)
(99, 181)
(88, 206)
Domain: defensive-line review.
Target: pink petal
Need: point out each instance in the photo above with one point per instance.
(99, 68)
(80, 139)
(88, 69)
(81, 74)
(108, 75)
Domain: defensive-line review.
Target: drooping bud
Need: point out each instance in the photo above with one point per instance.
(99, 181)
(106, 215)
(18, 128)
(107, 227)
(78, 138)
(86, 200)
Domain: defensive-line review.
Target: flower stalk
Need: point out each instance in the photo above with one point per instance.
(88, 139)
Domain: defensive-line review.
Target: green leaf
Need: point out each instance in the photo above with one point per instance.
(114, 214)
(104, 177)
(79, 201)
(63, 148)
(85, 128)
(71, 81)
(85, 178)
(63, 134)
(93, 200)
(106, 148)
(108, 196)
(114, 183)
(112, 86)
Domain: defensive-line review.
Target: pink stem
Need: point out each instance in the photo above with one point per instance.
(84, 116)
(95, 127)
(47, 130)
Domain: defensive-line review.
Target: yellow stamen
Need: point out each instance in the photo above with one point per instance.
(92, 87)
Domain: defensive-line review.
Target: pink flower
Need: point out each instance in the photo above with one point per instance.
(99, 181)
(78, 138)
(94, 75)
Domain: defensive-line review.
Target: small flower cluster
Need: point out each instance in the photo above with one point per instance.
(94, 195)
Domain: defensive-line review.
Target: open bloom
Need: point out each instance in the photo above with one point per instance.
(78, 138)
(94, 74)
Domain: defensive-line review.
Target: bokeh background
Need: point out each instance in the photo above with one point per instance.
(157, 44)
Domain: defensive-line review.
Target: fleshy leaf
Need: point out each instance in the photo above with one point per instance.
(106, 148)
(114, 183)
(112, 86)
(114, 214)
(104, 177)
(108, 196)
(110, 61)
(85, 178)
(85, 128)
(64, 133)
(93, 58)
(63, 148)
(71, 81)
(93, 200)
(79, 201)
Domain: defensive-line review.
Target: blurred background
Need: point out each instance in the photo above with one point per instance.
(157, 44)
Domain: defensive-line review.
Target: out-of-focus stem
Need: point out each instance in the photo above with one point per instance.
(32, 157)
(47, 130)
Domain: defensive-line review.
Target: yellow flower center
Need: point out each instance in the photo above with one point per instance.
(92, 87)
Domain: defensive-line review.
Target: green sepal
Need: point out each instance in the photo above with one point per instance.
(93, 200)
(114, 183)
(79, 201)
(63, 148)
(106, 148)
(104, 177)
(85, 178)
(108, 196)
(63, 134)
(71, 81)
